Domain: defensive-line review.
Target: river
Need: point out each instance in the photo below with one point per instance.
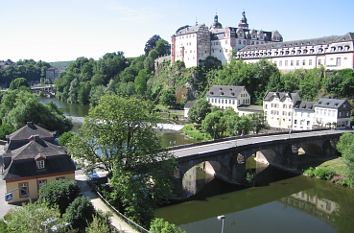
(279, 202)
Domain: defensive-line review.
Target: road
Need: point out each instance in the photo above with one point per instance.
(202, 149)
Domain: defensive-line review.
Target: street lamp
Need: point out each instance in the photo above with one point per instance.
(222, 219)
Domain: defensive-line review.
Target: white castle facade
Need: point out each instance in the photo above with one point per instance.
(191, 44)
(331, 52)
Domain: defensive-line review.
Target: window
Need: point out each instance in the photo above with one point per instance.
(295, 122)
(310, 62)
(280, 63)
(338, 61)
(23, 189)
(266, 106)
(40, 183)
(291, 63)
(286, 62)
(40, 164)
(303, 62)
(297, 62)
(319, 62)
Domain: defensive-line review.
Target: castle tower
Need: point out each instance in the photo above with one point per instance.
(243, 21)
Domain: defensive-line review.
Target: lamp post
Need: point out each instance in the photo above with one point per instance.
(222, 219)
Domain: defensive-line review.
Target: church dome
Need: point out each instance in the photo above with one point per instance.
(216, 23)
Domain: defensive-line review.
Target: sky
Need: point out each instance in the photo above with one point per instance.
(61, 30)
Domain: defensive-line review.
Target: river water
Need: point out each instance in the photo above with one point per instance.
(279, 202)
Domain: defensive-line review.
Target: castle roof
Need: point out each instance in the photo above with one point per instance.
(282, 96)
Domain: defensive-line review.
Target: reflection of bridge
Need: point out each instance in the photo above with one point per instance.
(47, 90)
(227, 157)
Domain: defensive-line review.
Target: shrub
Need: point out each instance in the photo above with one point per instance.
(59, 193)
(65, 138)
(98, 225)
(320, 172)
(80, 213)
(159, 225)
(3, 226)
(192, 132)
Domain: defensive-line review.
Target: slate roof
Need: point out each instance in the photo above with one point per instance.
(326, 102)
(282, 95)
(304, 105)
(225, 91)
(297, 43)
(28, 130)
(22, 161)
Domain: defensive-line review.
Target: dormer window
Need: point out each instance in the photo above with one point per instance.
(40, 164)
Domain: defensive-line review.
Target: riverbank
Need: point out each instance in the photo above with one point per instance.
(334, 171)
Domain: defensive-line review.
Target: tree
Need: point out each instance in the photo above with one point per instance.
(32, 218)
(18, 83)
(98, 225)
(80, 213)
(311, 84)
(168, 98)
(59, 193)
(159, 225)
(346, 147)
(214, 125)
(65, 138)
(151, 43)
(118, 136)
(199, 110)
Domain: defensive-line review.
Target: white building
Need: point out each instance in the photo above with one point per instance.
(278, 108)
(191, 44)
(303, 116)
(186, 108)
(286, 110)
(332, 112)
(223, 96)
(331, 52)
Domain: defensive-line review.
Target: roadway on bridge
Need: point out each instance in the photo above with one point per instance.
(217, 146)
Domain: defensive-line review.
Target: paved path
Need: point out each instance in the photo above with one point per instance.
(116, 220)
(217, 146)
(4, 206)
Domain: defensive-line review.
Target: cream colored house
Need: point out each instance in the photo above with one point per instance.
(31, 159)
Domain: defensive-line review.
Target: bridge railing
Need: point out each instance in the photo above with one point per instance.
(240, 137)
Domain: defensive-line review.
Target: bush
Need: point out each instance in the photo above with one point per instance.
(192, 132)
(59, 193)
(159, 225)
(65, 138)
(80, 213)
(320, 172)
(3, 226)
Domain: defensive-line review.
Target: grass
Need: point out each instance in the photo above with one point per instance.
(337, 165)
(194, 133)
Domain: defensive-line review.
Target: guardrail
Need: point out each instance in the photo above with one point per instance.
(239, 137)
(125, 218)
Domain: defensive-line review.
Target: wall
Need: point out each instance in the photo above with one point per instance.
(33, 187)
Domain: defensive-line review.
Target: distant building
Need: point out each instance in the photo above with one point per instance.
(278, 108)
(332, 112)
(7, 63)
(287, 111)
(331, 52)
(31, 159)
(191, 44)
(224, 96)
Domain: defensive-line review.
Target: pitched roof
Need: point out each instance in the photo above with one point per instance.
(296, 43)
(22, 161)
(327, 102)
(304, 105)
(28, 130)
(282, 95)
(225, 91)
(33, 148)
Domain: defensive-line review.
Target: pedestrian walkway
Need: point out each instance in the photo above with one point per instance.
(116, 220)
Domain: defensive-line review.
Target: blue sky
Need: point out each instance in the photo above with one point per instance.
(54, 30)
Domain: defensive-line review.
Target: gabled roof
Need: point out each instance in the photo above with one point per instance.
(282, 96)
(28, 130)
(304, 105)
(326, 102)
(225, 91)
(33, 148)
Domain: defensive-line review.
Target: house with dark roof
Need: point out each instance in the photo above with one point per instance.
(278, 108)
(226, 96)
(332, 112)
(303, 115)
(32, 160)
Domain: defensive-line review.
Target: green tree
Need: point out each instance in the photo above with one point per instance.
(199, 110)
(98, 225)
(31, 218)
(65, 138)
(346, 147)
(214, 124)
(118, 135)
(159, 225)
(311, 84)
(59, 193)
(168, 98)
(18, 83)
(80, 213)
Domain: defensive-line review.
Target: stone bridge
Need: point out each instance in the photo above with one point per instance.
(227, 158)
